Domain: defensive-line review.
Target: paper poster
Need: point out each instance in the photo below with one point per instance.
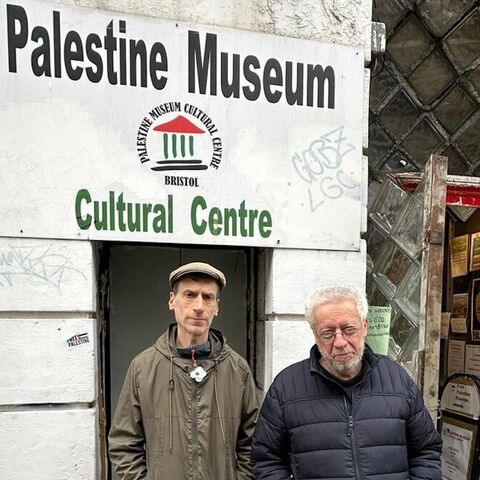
(459, 325)
(379, 328)
(475, 252)
(459, 256)
(458, 319)
(457, 447)
(472, 359)
(456, 356)
(445, 325)
(475, 310)
(460, 305)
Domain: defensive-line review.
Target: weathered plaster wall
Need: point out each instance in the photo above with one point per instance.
(48, 415)
(345, 22)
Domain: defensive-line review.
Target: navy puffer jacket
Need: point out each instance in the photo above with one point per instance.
(309, 428)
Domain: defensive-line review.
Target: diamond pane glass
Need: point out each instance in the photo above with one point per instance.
(379, 298)
(396, 162)
(407, 231)
(402, 329)
(454, 108)
(374, 293)
(432, 76)
(380, 86)
(474, 76)
(409, 350)
(379, 144)
(375, 239)
(409, 44)
(408, 294)
(422, 141)
(389, 13)
(399, 114)
(387, 204)
(469, 143)
(440, 15)
(392, 267)
(463, 43)
(456, 166)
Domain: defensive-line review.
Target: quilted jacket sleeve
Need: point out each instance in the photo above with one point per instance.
(423, 441)
(127, 437)
(270, 448)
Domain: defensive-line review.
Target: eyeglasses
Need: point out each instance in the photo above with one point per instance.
(346, 332)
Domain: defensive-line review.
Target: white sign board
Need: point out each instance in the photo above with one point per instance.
(130, 128)
(461, 396)
(456, 452)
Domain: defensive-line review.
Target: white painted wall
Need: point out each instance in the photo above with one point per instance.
(37, 364)
(56, 444)
(46, 275)
(48, 416)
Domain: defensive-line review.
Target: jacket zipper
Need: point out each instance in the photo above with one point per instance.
(194, 429)
(351, 434)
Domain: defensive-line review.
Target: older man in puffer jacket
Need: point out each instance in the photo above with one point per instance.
(344, 413)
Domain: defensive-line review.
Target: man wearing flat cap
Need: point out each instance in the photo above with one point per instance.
(188, 406)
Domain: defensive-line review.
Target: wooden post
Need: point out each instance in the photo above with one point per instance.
(435, 184)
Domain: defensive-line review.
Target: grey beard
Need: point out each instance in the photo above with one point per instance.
(340, 367)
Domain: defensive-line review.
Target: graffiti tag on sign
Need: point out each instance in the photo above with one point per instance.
(322, 167)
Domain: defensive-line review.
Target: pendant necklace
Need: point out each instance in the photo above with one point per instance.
(198, 373)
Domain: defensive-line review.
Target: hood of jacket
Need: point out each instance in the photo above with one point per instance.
(219, 347)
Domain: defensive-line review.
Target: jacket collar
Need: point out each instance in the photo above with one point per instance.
(166, 344)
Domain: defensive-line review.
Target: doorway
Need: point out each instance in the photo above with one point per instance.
(135, 309)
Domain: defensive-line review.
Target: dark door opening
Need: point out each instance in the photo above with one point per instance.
(134, 292)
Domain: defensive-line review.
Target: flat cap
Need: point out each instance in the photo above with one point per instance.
(198, 267)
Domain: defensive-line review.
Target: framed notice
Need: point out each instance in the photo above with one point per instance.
(475, 310)
(459, 440)
(475, 252)
(459, 256)
(456, 357)
(472, 359)
(445, 325)
(459, 313)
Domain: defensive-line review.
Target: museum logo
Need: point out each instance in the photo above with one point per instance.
(179, 137)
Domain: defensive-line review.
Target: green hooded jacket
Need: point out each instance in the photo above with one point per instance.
(168, 426)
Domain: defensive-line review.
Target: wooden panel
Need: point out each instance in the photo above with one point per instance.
(432, 269)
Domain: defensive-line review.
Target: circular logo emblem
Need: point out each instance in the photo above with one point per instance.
(176, 136)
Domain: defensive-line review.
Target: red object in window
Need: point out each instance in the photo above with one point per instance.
(463, 191)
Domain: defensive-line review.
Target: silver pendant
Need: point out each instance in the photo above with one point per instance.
(198, 373)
